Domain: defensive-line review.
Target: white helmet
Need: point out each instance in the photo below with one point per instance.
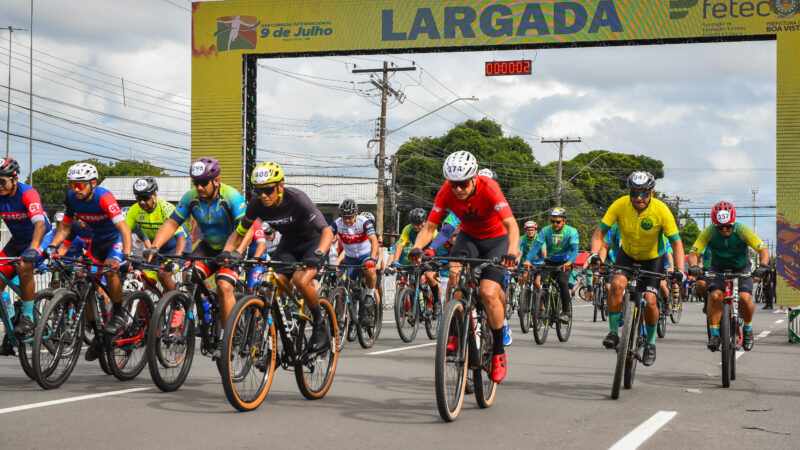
(489, 173)
(82, 172)
(59, 216)
(460, 166)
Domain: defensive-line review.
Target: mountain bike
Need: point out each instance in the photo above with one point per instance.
(414, 303)
(730, 327)
(354, 311)
(600, 299)
(464, 322)
(661, 329)
(527, 301)
(677, 306)
(251, 349)
(547, 307)
(513, 291)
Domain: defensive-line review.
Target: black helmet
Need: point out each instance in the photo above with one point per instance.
(348, 208)
(9, 168)
(145, 186)
(641, 180)
(266, 227)
(417, 216)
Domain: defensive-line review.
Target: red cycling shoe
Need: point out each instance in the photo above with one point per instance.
(452, 343)
(499, 367)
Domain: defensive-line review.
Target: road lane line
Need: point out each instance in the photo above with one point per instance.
(582, 306)
(388, 321)
(763, 334)
(738, 354)
(643, 432)
(779, 321)
(401, 349)
(71, 399)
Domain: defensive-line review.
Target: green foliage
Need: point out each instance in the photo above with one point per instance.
(689, 233)
(51, 180)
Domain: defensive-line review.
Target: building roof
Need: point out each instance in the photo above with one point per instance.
(331, 190)
(170, 189)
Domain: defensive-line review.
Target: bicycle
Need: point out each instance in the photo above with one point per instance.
(528, 300)
(464, 318)
(414, 303)
(730, 327)
(632, 332)
(677, 307)
(353, 311)
(547, 306)
(58, 336)
(600, 299)
(661, 329)
(250, 348)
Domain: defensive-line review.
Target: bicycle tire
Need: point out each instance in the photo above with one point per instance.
(406, 315)
(582, 292)
(450, 372)
(127, 351)
(726, 344)
(25, 349)
(338, 300)
(635, 341)
(367, 334)
(541, 325)
(307, 369)
(63, 347)
(485, 388)
(509, 300)
(563, 330)
(622, 347)
(432, 320)
(250, 339)
(170, 349)
(525, 309)
(661, 328)
(677, 310)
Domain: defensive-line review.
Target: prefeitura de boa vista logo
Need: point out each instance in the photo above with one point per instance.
(785, 9)
(723, 9)
(237, 33)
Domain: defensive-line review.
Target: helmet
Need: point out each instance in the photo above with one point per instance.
(368, 215)
(125, 211)
(417, 216)
(145, 186)
(641, 180)
(558, 211)
(9, 168)
(348, 208)
(723, 213)
(58, 217)
(266, 173)
(82, 172)
(460, 166)
(266, 227)
(530, 224)
(489, 173)
(205, 169)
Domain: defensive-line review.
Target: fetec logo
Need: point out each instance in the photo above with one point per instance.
(723, 9)
(678, 9)
(237, 33)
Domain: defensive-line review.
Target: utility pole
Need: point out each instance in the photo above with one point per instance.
(393, 195)
(381, 160)
(754, 191)
(561, 143)
(30, 107)
(11, 30)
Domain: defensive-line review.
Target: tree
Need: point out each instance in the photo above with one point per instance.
(51, 180)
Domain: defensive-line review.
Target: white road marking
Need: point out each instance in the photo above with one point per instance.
(388, 321)
(401, 348)
(763, 334)
(71, 399)
(582, 306)
(779, 321)
(738, 354)
(643, 432)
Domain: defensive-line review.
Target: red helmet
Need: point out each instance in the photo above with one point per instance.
(723, 213)
(531, 224)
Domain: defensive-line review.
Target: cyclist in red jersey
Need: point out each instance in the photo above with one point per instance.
(488, 230)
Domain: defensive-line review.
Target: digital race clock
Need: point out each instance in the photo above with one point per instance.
(519, 67)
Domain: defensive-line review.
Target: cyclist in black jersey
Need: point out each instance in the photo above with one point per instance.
(305, 236)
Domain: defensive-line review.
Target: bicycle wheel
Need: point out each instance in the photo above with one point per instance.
(677, 310)
(582, 292)
(509, 300)
(170, 345)
(127, 351)
(541, 324)
(450, 373)
(624, 340)
(338, 300)
(726, 344)
(485, 388)
(635, 342)
(564, 329)
(661, 328)
(314, 372)
(735, 329)
(367, 324)
(57, 340)
(406, 314)
(432, 320)
(249, 354)
(526, 309)
(25, 343)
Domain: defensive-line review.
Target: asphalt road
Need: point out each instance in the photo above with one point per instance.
(557, 394)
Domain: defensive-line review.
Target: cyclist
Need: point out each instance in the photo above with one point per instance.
(405, 243)
(111, 237)
(31, 233)
(359, 246)
(305, 237)
(257, 250)
(669, 267)
(560, 242)
(728, 241)
(147, 215)
(380, 265)
(488, 230)
(78, 240)
(642, 221)
(525, 244)
(217, 208)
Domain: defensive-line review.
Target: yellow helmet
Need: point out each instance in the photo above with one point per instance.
(266, 173)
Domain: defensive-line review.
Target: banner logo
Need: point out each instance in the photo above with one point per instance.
(678, 9)
(785, 9)
(237, 33)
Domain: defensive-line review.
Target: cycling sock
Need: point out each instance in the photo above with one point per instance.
(116, 308)
(613, 321)
(497, 342)
(435, 294)
(748, 326)
(651, 333)
(27, 309)
(714, 330)
(675, 293)
(316, 313)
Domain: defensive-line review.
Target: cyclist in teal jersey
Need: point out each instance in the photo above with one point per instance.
(525, 244)
(417, 217)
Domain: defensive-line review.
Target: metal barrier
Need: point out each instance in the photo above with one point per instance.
(794, 325)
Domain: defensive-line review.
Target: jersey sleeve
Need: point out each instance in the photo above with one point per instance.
(499, 202)
(669, 227)
(538, 243)
(368, 228)
(182, 210)
(444, 235)
(258, 235)
(440, 204)
(748, 237)
(33, 204)
(110, 206)
(612, 214)
(130, 218)
(250, 216)
(702, 241)
(405, 236)
(574, 242)
(236, 202)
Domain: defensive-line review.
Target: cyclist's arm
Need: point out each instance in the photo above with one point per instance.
(245, 242)
(753, 241)
(677, 249)
(693, 260)
(538, 244)
(604, 251)
(260, 247)
(598, 241)
(401, 243)
(374, 248)
(442, 237)
(180, 244)
(339, 258)
(165, 232)
(513, 234)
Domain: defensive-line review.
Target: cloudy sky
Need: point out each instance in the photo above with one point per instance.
(121, 87)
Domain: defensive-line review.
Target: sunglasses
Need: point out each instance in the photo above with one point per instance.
(4, 181)
(203, 183)
(78, 185)
(266, 190)
(556, 222)
(350, 217)
(725, 227)
(459, 184)
(531, 229)
(143, 198)
(640, 194)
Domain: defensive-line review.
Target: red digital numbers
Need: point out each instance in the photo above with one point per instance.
(519, 67)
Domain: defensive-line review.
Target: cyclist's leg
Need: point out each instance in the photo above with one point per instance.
(226, 279)
(452, 278)
(746, 308)
(562, 279)
(493, 298)
(111, 253)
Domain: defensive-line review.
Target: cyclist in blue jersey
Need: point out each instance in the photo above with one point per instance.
(111, 237)
(217, 208)
(525, 244)
(22, 212)
(78, 240)
(561, 244)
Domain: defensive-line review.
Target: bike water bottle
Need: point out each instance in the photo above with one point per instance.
(9, 304)
(206, 308)
(477, 329)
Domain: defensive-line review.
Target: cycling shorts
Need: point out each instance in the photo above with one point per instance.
(204, 270)
(288, 251)
(14, 248)
(646, 284)
(718, 284)
(100, 251)
(470, 247)
(359, 260)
